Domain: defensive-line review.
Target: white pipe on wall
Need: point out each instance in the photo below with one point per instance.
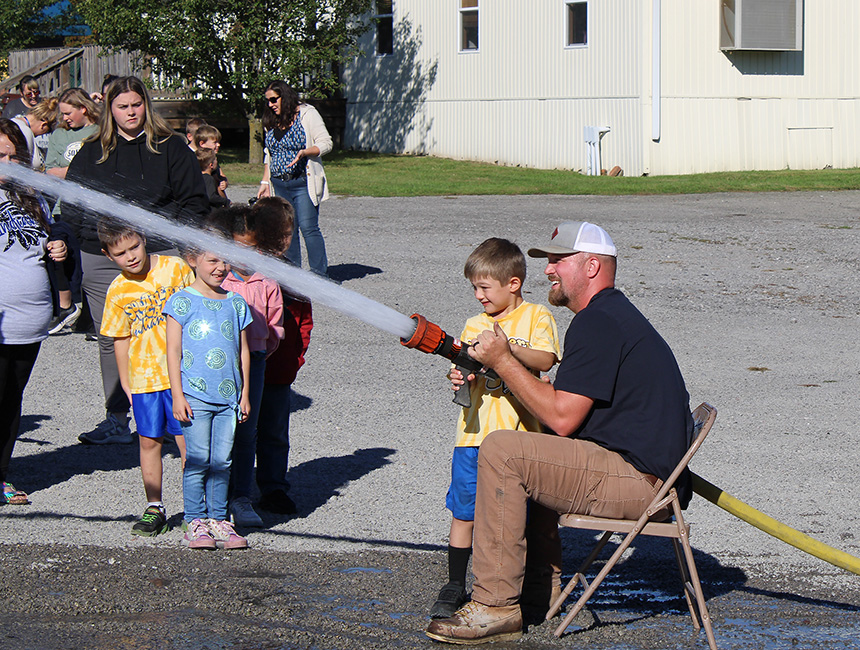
(655, 72)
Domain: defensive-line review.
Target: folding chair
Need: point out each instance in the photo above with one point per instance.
(678, 531)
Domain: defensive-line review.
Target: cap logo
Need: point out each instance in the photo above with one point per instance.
(554, 234)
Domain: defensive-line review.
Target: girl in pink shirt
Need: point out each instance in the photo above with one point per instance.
(267, 307)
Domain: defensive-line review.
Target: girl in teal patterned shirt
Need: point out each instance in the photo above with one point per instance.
(208, 363)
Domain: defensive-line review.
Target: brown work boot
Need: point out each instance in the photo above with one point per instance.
(475, 623)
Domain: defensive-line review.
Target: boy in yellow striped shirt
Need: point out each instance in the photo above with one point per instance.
(133, 318)
(496, 269)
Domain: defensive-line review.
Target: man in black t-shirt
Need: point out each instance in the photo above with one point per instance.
(621, 413)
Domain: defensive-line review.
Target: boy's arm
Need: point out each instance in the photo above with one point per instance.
(535, 359)
(245, 361)
(181, 408)
(120, 349)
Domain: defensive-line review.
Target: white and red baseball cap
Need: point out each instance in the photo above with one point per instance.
(575, 237)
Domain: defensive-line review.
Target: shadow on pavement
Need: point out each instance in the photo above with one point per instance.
(344, 272)
(54, 465)
(320, 479)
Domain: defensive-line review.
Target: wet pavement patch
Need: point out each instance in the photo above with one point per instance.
(168, 598)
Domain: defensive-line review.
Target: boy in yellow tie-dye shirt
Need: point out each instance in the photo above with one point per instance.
(133, 318)
(496, 269)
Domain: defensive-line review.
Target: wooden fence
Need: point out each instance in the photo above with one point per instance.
(59, 68)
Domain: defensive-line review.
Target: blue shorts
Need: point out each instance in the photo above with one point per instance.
(464, 483)
(153, 414)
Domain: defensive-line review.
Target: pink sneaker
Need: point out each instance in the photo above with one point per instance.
(226, 535)
(198, 535)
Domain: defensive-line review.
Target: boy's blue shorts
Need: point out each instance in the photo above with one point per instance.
(153, 414)
(464, 482)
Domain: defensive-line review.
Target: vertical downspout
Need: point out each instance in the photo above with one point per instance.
(655, 73)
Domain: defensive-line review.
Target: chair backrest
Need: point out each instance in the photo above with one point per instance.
(703, 419)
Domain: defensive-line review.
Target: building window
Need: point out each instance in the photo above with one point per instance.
(468, 25)
(577, 23)
(384, 20)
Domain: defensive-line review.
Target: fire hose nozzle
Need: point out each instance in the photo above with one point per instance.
(427, 337)
(430, 338)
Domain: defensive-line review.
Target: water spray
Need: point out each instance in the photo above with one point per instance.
(298, 281)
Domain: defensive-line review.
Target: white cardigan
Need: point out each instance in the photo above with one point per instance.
(318, 135)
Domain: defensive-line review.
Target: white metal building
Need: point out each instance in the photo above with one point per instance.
(684, 86)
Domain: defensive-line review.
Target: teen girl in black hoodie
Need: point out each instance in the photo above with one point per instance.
(135, 156)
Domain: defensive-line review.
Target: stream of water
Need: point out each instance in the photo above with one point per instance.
(314, 287)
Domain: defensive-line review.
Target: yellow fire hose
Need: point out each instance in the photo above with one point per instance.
(772, 527)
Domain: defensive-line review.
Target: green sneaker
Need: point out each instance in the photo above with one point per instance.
(152, 522)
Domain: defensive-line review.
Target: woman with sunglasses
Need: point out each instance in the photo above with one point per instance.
(30, 93)
(295, 140)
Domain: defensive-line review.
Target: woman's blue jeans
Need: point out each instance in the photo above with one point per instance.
(208, 445)
(307, 221)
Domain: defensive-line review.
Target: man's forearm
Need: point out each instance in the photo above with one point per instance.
(561, 411)
(558, 410)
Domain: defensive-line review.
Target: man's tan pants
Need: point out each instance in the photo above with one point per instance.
(560, 475)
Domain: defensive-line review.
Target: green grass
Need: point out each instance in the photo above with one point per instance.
(370, 174)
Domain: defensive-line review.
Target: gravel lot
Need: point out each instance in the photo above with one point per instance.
(757, 294)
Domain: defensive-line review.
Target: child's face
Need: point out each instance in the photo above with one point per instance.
(74, 116)
(39, 127)
(210, 269)
(287, 241)
(248, 240)
(129, 112)
(129, 254)
(211, 143)
(497, 298)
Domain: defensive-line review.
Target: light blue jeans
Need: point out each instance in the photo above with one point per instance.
(307, 220)
(245, 444)
(208, 448)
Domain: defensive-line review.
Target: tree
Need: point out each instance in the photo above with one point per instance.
(33, 22)
(231, 49)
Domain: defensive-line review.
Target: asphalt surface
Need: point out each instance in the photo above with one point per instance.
(757, 296)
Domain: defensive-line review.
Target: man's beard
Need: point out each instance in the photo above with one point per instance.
(556, 295)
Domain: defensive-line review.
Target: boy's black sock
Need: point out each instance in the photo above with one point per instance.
(458, 563)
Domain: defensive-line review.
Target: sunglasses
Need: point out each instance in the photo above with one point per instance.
(272, 100)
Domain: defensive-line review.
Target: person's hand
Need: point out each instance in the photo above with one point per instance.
(263, 191)
(301, 154)
(57, 250)
(182, 409)
(490, 348)
(457, 379)
(222, 186)
(244, 409)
